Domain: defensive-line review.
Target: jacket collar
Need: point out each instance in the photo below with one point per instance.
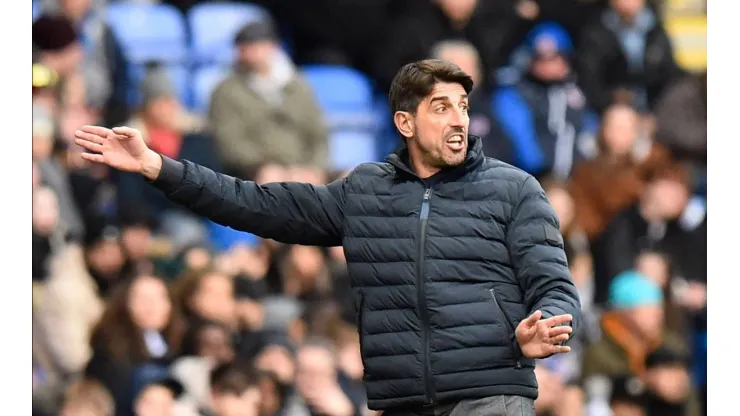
(474, 157)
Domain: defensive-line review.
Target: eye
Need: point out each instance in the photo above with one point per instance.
(440, 109)
(464, 107)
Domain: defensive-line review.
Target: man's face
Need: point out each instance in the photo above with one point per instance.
(256, 55)
(438, 134)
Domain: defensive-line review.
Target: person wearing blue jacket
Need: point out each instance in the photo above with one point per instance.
(543, 112)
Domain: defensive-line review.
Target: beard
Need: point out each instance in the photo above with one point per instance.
(439, 156)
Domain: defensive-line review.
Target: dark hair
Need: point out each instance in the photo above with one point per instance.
(232, 378)
(117, 334)
(416, 80)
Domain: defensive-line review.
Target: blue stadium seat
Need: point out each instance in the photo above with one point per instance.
(346, 97)
(179, 75)
(213, 27)
(205, 81)
(37, 6)
(149, 32)
(340, 88)
(347, 148)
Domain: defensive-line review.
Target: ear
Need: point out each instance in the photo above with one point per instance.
(404, 122)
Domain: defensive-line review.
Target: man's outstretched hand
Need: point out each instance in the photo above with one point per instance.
(121, 148)
(539, 338)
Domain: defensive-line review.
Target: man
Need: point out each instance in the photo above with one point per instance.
(448, 251)
(265, 111)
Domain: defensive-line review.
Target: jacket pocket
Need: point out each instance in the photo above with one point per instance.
(511, 331)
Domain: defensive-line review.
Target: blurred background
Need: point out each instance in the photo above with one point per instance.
(142, 308)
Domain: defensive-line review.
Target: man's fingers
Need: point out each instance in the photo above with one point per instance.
(91, 137)
(93, 157)
(97, 130)
(560, 338)
(559, 330)
(124, 131)
(559, 349)
(558, 320)
(91, 146)
(533, 318)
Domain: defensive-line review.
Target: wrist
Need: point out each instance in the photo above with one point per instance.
(151, 165)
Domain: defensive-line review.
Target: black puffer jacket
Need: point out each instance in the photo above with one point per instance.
(442, 270)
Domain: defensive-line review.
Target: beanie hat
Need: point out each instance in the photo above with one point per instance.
(53, 33)
(549, 38)
(631, 289)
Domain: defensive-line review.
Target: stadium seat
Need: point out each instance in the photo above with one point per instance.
(149, 32)
(205, 81)
(37, 6)
(213, 27)
(347, 148)
(346, 98)
(179, 76)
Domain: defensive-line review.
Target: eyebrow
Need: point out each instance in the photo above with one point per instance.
(445, 98)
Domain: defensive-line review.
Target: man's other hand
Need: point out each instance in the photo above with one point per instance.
(539, 338)
(121, 148)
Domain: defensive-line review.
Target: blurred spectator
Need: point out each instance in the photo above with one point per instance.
(45, 226)
(174, 132)
(665, 218)
(209, 344)
(234, 392)
(208, 295)
(556, 398)
(668, 384)
(614, 180)
(632, 329)
(626, 47)
(157, 397)
(628, 397)
(87, 398)
(317, 381)
(265, 111)
(305, 274)
(140, 327)
(544, 114)
(482, 122)
(69, 310)
(104, 256)
(104, 67)
(681, 124)
(49, 153)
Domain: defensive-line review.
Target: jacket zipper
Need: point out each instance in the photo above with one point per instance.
(421, 292)
(512, 331)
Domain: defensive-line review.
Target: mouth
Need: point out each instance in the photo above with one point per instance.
(456, 142)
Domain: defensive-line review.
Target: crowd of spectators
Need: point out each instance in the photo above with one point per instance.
(143, 308)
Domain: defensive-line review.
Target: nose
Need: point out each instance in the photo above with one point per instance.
(459, 118)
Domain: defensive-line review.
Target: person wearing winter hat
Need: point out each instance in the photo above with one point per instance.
(543, 111)
(58, 44)
(631, 330)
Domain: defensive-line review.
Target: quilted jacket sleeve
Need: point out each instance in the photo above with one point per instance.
(538, 255)
(288, 212)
